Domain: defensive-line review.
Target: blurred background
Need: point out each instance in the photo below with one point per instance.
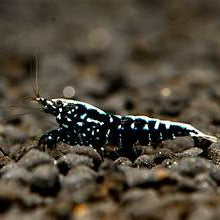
(158, 58)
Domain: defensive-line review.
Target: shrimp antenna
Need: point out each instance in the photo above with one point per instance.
(37, 93)
(36, 86)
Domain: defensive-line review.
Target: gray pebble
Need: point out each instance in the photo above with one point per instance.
(123, 161)
(192, 166)
(63, 149)
(214, 153)
(34, 158)
(215, 174)
(192, 152)
(144, 161)
(179, 144)
(3, 160)
(14, 135)
(148, 178)
(13, 173)
(204, 182)
(78, 177)
(45, 180)
(68, 161)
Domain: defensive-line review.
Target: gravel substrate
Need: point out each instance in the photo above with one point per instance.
(136, 57)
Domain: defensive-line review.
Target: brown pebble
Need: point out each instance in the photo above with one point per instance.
(45, 180)
(214, 153)
(34, 158)
(123, 161)
(63, 149)
(179, 144)
(192, 152)
(78, 177)
(68, 161)
(144, 161)
(3, 159)
(192, 166)
(13, 134)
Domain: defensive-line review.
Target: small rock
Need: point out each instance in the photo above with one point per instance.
(89, 192)
(34, 158)
(192, 166)
(17, 213)
(179, 144)
(204, 182)
(192, 152)
(185, 184)
(14, 135)
(12, 172)
(123, 161)
(3, 159)
(78, 177)
(4, 148)
(167, 163)
(18, 151)
(60, 209)
(63, 149)
(8, 196)
(203, 212)
(108, 166)
(215, 174)
(68, 161)
(113, 183)
(7, 168)
(136, 195)
(14, 195)
(133, 200)
(162, 154)
(144, 161)
(148, 178)
(214, 153)
(149, 150)
(45, 180)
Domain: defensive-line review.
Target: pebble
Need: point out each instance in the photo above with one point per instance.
(34, 158)
(215, 174)
(12, 194)
(13, 173)
(204, 182)
(68, 161)
(123, 161)
(63, 149)
(144, 161)
(45, 180)
(13, 134)
(78, 177)
(137, 195)
(192, 152)
(162, 154)
(108, 166)
(142, 204)
(3, 160)
(179, 144)
(18, 151)
(192, 166)
(214, 153)
(148, 178)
